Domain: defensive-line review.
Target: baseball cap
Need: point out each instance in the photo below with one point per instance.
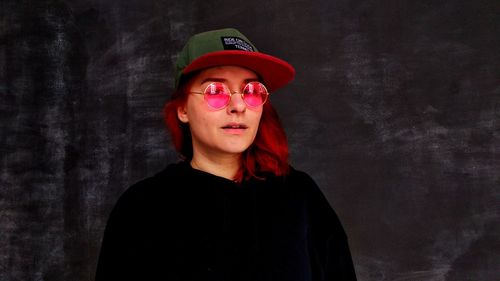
(228, 46)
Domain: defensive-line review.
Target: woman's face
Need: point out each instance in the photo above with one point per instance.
(228, 131)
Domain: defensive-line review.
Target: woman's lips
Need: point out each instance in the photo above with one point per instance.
(234, 128)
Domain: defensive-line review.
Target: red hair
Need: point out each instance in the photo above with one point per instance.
(268, 154)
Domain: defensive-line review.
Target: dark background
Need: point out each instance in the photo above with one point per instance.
(394, 111)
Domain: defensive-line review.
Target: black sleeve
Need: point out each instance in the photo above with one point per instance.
(329, 249)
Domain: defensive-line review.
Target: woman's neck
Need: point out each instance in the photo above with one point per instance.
(223, 166)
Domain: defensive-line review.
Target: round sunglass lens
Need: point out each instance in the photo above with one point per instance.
(216, 95)
(255, 94)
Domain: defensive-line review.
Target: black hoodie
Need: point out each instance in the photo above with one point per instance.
(185, 224)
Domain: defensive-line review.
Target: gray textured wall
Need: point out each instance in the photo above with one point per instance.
(395, 112)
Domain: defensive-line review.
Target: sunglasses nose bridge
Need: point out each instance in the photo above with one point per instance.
(239, 99)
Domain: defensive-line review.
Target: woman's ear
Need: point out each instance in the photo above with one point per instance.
(182, 114)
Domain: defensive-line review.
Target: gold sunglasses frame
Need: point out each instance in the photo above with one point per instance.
(231, 93)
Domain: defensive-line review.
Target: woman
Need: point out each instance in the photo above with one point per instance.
(232, 209)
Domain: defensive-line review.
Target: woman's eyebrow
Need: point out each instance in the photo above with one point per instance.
(213, 79)
(256, 79)
(223, 80)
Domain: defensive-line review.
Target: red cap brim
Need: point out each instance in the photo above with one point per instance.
(275, 72)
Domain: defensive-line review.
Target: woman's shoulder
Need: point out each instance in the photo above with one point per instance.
(300, 176)
(312, 193)
(298, 181)
(166, 181)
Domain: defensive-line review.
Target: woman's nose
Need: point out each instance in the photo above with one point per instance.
(236, 103)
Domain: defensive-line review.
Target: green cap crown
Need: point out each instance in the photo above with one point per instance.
(208, 42)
